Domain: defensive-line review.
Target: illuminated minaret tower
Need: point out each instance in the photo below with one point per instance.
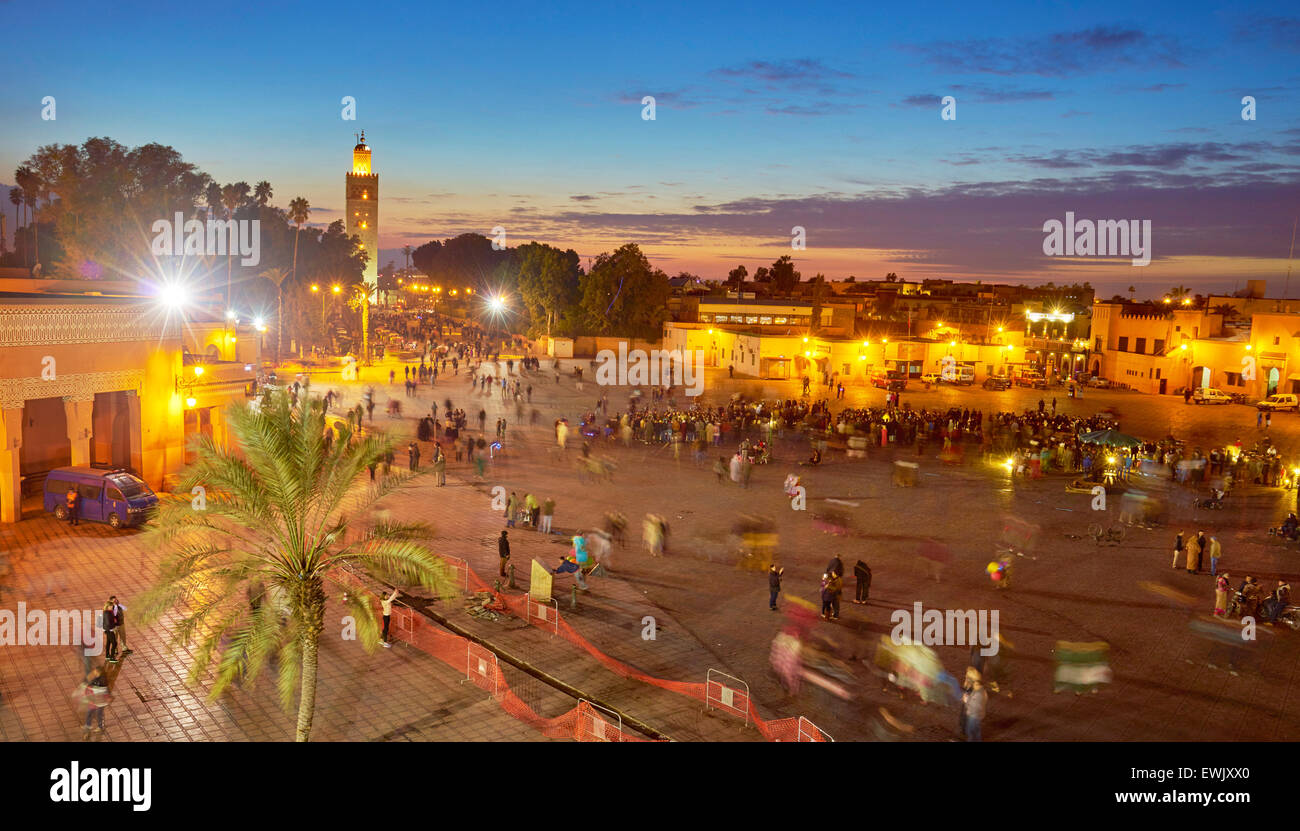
(363, 206)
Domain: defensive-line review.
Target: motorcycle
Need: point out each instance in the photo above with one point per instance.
(1212, 503)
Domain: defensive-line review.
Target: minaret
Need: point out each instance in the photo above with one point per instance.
(363, 207)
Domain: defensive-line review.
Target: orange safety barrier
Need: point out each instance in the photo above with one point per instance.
(576, 724)
(481, 667)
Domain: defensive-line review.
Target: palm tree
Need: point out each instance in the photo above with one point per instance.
(31, 184)
(299, 211)
(248, 575)
(16, 197)
(1177, 293)
(277, 276)
(232, 197)
(262, 193)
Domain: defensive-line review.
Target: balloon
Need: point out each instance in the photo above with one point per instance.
(992, 567)
(997, 575)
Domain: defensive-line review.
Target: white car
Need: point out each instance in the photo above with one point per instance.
(1209, 395)
(931, 378)
(1281, 401)
(1099, 383)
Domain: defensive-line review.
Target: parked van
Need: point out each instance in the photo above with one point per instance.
(965, 375)
(112, 496)
(1280, 401)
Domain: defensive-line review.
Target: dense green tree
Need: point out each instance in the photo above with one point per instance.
(784, 276)
(549, 283)
(623, 295)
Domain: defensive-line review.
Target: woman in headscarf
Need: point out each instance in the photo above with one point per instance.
(1221, 587)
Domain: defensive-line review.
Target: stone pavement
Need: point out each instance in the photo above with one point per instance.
(393, 694)
(1165, 686)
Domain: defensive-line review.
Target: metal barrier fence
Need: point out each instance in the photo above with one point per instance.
(481, 667)
(728, 698)
(593, 727)
(539, 612)
(809, 732)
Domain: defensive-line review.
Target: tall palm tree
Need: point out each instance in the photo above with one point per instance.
(31, 184)
(16, 197)
(232, 197)
(248, 576)
(1177, 293)
(262, 193)
(299, 211)
(277, 276)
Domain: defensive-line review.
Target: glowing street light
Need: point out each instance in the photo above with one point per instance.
(315, 288)
(496, 304)
(198, 370)
(173, 296)
(336, 288)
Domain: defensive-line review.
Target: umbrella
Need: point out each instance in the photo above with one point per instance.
(1110, 438)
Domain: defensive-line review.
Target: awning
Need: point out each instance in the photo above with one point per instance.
(1294, 376)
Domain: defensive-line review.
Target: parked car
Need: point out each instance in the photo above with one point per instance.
(112, 496)
(965, 375)
(1280, 401)
(1099, 383)
(931, 378)
(1209, 395)
(891, 380)
(997, 382)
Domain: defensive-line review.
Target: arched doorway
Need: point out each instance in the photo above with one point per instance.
(1096, 369)
(1273, 377)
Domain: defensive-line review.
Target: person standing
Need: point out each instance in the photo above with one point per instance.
(413, 456)
(74, 503)
(95, 697)
(835, 566)
(387, 604)
(1179, 548)
(440, 464)
(862, 572)
(547, 513)
(1194, 548)
(827, 596)
(503, 551)
(837, 589)
(512, 508)
(110, 633)
(773, 584)
(975, 702)
(1216, 553)
(1221, 588)
(119, 625)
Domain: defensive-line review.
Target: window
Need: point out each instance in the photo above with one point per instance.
(1157, 374)
(1160, 348)
(1277, 341)
(781, 321)
(766, 320)
(1123, 344)
(1098, 344)
(56, 486)
(114, 493)
(1141, 347)
(705, 318)
(89, 492)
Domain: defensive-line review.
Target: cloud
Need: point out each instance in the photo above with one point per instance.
(582, 197)
(1281, 32)
(980, 94)
(1060, 55)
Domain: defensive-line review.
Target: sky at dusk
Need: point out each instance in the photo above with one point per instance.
(768, 116)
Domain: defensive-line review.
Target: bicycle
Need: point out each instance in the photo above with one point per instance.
(1114, 535)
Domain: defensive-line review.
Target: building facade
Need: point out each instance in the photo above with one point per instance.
(110, 382)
